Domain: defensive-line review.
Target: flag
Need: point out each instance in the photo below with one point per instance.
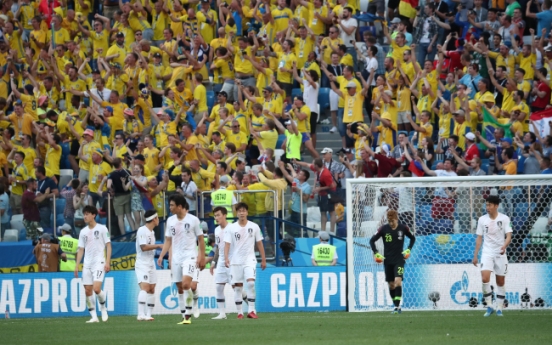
(490, 124)
(407, 8)
(541, 119)
(146, 200)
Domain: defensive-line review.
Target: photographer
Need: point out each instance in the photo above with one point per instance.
(48, 254)
(299, 183)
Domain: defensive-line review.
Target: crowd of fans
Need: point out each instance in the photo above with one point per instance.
(143, 99)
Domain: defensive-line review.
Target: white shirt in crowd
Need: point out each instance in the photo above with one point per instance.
(190, 193)
(184, 235)
(372, 63)
(310, 95)
(144, 258)
(493, 232)
(351, 22)
(242, 241)
(93, 241)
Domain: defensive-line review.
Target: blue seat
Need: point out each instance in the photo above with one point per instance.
(484, 161)
(485, 168)
(434, 166)
(296, 93)
(210, 99)
(60, 205)
(280, 141)
(363, 29)
(22, 235)
(520, 165)
(324, 98)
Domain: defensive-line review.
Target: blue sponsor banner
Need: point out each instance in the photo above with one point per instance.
(293, 289)
(35, 295)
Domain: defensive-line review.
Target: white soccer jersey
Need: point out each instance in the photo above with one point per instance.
(144, 236)
(219, 241)
(184, 237)
(93, 241)
(242, 242)
(493, 232)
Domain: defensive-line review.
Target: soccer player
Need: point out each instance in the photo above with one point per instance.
(239, 256)
(184, 232)
(93, 240)
(222, 274)
(145, 265)
(393, 235)
(496, 232)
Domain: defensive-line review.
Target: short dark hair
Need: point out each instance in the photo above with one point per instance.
(318, 163)
(241, 206)
(148, 214)
(117, 162)
(40, 170)
(223, 210)
(509, 152)
(179, 200)
(307, 174)
(90, 209)
(493, 199)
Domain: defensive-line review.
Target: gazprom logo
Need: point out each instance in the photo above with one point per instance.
(459, 290)
(169, 297)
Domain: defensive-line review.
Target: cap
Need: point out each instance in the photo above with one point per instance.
(139, 157)
(4, 17)
(472, 104)
(396, 20)
(323, 235)
(269, 89)
(120, 34)
(327, 150)
(288, 122)
(157, 55)
(223, 93)
(98, 151)
(40, 229)
(386, 116)
(18, 102)
(351, 84)
(65, 227)
(470, 136)
(346, 150)
(300, 98)
(110, 109)
(488, 98)
(224, 179)
(386, 148)
(145, 91)
(459, 112)
(88, 132)
(46, 237)
(508, 140)
(548, 48)
(128, 111)
(41, 100)
(59, 11)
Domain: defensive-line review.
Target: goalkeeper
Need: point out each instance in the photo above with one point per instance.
(393, 235)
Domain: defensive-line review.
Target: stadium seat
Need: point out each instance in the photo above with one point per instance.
(540, 226)
(485, 168)
(296, 93)
(22, 234)
(364, 5)
(520, 165)
(17, 222)
(60, 205)
(324, 99)
(66, 175)
(363, 29)
(281, 139)
(313, 214)
(435, 162)
(210, 99)
(277, 154)
(11, 235)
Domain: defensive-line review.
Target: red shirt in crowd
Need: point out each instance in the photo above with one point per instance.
(386, 165)
(29, 207)
(544, 101)
(325, 179)
(471, 152)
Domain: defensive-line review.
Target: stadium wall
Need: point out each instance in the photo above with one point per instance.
(311, 289)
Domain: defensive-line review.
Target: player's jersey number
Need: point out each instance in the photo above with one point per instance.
(400, 270)
(388, 238)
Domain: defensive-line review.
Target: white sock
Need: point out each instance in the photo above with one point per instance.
(142, 296)
(151, 304)
(91, 303)
(195, 294)
(488, 294)
(101, 299)
(221, 303)
(238, 298)
(187, 294)
(181, 304)
(500, 295)
(251, 293)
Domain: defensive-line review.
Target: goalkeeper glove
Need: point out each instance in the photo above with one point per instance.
(379, 258)
(406, 254)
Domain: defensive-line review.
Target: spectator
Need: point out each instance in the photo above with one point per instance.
(69, 246)
(472, 151)
(29, 203)
(426, 33)
(188, 188)
(301, 191)
(44, 206)
(544, 17)
(4, 210)
(119, 180)
(386, 164)
(348, 27)
(48, 254)
(68, 193)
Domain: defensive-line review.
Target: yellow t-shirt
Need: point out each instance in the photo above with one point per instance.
(21, 174)
(303, 126)
(87, 149)
(30, 155)
(281, 18)
(303, 47)
(100, 40)
(286, 61)
(387, 135)
(343, 88)
(242, 65)
(53, 157)
(317, 26)
(151, 158)
(353, 107)
(429, 132)
(96, 174)
(525, 63)
(200, 94)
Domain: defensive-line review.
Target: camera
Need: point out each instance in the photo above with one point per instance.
(288, 247)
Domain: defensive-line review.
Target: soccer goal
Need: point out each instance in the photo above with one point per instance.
(442, 213)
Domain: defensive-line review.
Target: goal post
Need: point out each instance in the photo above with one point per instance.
(442, 213)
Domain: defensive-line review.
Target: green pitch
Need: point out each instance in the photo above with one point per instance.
(427, 328)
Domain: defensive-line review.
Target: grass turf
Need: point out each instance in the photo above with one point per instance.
(437, 327)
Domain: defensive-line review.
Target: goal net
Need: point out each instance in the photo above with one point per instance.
(442, 213)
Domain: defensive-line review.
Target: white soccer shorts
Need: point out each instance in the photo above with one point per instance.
(186, 268)
(146, 275)
(93, 274)
(497, 264)
(241, 273)
(222, 274)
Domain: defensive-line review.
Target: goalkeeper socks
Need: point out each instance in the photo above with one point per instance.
(101, 298)
(392, 293)
(91, 303)
(488, 294)
(238, 298)
(221, 303)
(151, 304)
(181, 304)
(251, 294)
(500, 295)
(398, 296)
(142, 297)
(187, 294)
